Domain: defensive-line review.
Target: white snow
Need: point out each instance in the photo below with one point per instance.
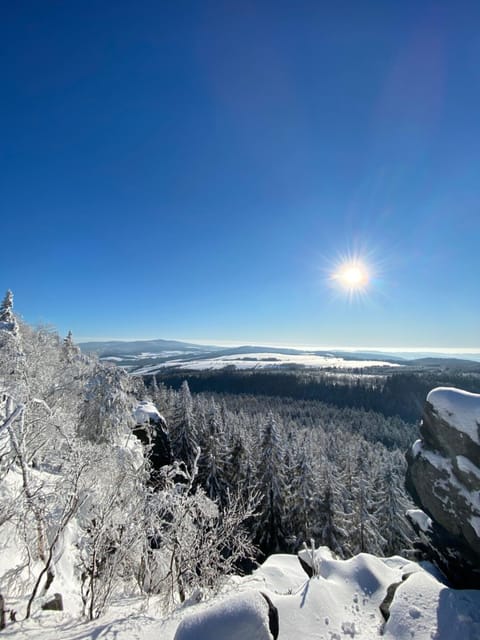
(342, 603)
(281, 572)
(424, 608)
(460, 409)
(420, 518)
(162, 354)
(467, 466)
(417, 448)
(267, 360)
(243, 616)
(146, 411)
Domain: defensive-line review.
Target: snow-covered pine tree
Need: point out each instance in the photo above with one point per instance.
(165, 401)
(6, 312)
(393, 504)
(213, 460)
(107, 410)
(183, 430)
(12, 362)
(365, 534)
(304, 494)
(331, 523)
(70, 351)
(241, 475)
(268, 528)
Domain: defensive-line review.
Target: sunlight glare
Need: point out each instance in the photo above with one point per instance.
(352, 275)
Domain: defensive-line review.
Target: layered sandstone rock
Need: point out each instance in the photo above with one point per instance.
(443, 478)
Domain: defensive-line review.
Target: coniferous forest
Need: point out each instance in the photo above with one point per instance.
(319, 471)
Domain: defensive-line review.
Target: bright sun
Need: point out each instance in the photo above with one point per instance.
(352, 275)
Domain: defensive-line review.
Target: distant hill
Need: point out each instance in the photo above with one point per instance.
(445, 363)
(137, 347)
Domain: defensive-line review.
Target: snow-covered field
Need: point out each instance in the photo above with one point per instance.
(342, 602)
(267, 360)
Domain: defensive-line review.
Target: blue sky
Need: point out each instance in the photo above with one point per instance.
(197, 170)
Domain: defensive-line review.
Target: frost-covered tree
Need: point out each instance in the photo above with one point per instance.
(164, 399)
(242, 456)
(107, 411)
(213, 460)
(363, 500)
(199, 542)
(70, 351)
(7, 318)
(113, 495)
(12, 364)
(269, 529)
(393, 504)
(304, 494)
(331, 523)
(183, 429)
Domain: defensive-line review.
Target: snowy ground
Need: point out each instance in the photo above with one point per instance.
(341, 603)
(267, 360)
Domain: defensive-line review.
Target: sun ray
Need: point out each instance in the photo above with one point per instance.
(353, 275)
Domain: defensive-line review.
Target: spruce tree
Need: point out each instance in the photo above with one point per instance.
(393, 525)
(365, 535)
(213, 461)
(107, 411)
(303, 495)
(269, 527)
(6, 310)
(183, 432)
(70, 351)
(8, 322)
(331, 524)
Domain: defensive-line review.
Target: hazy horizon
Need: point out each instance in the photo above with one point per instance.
(292, 345)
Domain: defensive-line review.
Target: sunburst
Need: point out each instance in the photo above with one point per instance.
(353, 275)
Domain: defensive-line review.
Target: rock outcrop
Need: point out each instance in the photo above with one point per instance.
(151, 430)
(443, 478)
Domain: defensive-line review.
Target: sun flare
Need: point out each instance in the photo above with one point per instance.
(352, 275)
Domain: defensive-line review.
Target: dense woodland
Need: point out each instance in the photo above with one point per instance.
(399, 394)
(251, 475)
(317, 471)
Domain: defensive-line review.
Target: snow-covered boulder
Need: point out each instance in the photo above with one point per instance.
(151, 430)
(147, 413)
(423, 607)
(451, 423)
(246, 616)
(443, 478)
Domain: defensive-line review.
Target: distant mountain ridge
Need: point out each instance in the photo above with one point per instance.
(137, 347)
(146, 355)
